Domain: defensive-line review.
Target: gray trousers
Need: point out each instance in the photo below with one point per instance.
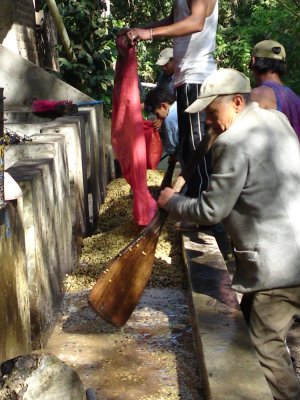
(271, 317)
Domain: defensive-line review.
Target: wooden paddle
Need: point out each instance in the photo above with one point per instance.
(119, 289)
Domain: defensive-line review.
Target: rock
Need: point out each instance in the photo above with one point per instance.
(90, 394)
(39, 377)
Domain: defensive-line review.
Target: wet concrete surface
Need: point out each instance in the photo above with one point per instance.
(151, 357)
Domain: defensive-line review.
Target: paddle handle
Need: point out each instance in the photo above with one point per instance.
(167, 180)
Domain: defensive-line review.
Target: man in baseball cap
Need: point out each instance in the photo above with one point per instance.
(268, 67)
(222, 82)
(164, 56)
(269, 49)
(254, 190)
(165, 79)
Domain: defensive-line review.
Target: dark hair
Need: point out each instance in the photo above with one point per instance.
(263, 65)
(156, 96)
(246, 97)
(228, 97)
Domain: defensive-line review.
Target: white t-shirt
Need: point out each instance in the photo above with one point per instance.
(193, 54)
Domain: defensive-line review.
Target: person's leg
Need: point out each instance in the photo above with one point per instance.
(271, 317)
(191, 132)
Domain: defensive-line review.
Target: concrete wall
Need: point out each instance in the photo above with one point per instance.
(14, 298)
(77, 137)
(41, 169)
(28, 31)
(63, 174)
(62, 167)
(17, 23)
(23, 82)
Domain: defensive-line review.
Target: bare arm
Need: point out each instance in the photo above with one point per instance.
(163, 22)
(193, 23)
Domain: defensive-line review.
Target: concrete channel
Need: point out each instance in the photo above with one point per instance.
(185, 342)
(151, 357)
(188, 343)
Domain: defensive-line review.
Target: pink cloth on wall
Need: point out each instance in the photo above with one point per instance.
(128, 135)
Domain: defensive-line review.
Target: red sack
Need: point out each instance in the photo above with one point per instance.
(128, 135)
(153, 145)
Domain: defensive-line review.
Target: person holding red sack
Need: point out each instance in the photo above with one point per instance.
(192, 24)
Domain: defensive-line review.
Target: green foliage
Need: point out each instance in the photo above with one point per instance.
(233, 43)
(136, 13)
(250, 21)
(242, 23)
(93, 41)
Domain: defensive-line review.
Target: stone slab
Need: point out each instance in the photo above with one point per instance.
(14, 297)
(47, 252)
(104, 176)
(40, 377)
(76, 156)
(97, 168)
(45, 146)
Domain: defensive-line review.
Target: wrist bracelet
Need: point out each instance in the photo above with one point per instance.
(151, 35)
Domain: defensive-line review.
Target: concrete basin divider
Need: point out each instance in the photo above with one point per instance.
(41, 169)
(102, 152)
(52, 170)
(88, 125)
(14, 297)
(54, 147)
(91, 122)
(55, 250)
(76, 156)
(43, 252)
(229, 366)
(97, 178)
(87, 161)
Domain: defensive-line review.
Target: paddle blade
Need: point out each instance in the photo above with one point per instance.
(118, 290)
